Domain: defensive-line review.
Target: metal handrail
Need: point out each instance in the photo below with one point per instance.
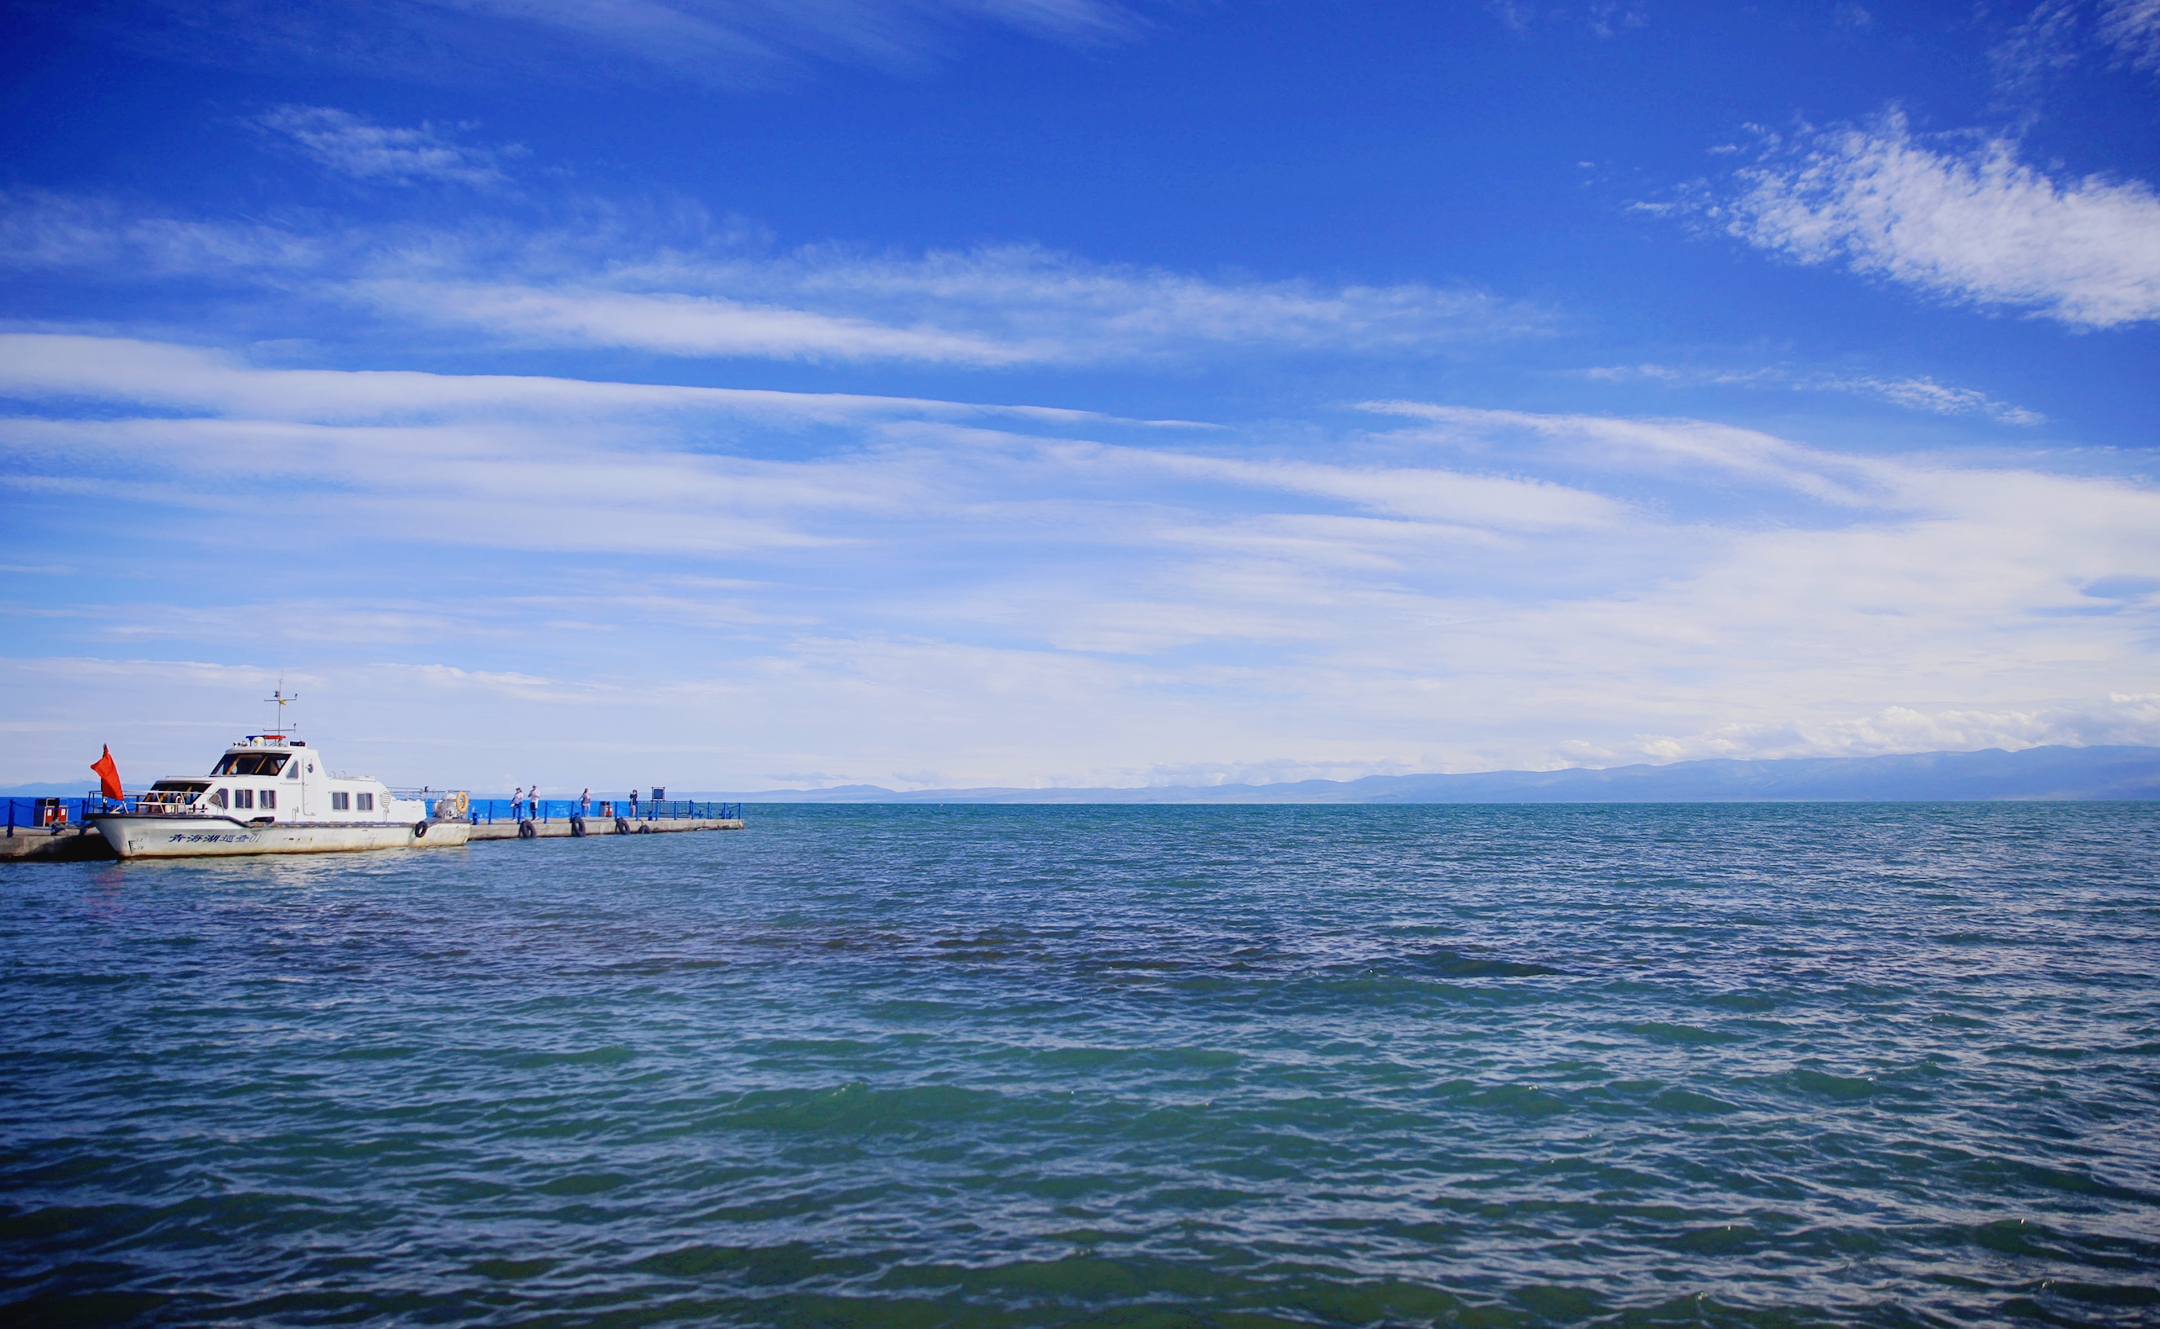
(486, 811)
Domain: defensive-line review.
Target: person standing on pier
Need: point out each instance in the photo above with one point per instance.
(517, 804)
(584, 803)
(633, 802)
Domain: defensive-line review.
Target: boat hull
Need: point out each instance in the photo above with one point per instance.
(133, 836)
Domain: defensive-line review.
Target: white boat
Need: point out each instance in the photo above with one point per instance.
(273, 794)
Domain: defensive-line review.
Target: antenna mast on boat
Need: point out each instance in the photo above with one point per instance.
(277, 695)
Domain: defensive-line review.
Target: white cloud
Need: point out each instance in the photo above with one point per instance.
(1979, 226)
(540, 462)
(495, 568)
(2131, 719)
(344, 143)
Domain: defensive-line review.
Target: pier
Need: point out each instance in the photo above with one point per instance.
(553, 818)
(59, 830)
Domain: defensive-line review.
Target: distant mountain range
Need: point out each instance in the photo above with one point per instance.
(2035, 773)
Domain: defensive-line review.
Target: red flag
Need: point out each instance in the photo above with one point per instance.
(108, 775)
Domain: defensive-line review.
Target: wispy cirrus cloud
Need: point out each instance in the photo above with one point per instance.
(359, 149)
(1919, 394)
(1977, 226)
(41, 230)
(674, 323)
(2132, 27)
(42, 366)
(1642, 447)
(677, 32)
(734, 42)
(986, 307)
(1600, 18)
(2057, 35)
(1925, 394)
(609, 286)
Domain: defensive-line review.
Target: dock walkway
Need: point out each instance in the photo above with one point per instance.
(549, 830)
(57, 844)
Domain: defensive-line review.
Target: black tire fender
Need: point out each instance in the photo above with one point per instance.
(419, 830)
(622, 826)
(527, 831)
(644, 829)
(577, 827)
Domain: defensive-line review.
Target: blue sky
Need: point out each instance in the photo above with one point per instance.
(736, 395)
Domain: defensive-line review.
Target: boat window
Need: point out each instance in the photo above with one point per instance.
(251, 763)
(292, 772)
(243, 798)
(180, 786)
(340, 802)
(367, 802)
(267, 798)
(218, 798)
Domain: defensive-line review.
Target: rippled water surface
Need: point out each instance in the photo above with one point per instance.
(1031, 1066)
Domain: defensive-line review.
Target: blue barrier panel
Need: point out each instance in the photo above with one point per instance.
(27, 814)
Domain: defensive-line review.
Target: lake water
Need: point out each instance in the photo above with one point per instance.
(1769, 1065)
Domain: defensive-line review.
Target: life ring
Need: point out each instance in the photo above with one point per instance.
(622, 826)
(528, 831)
(419, 830)
(577, 827)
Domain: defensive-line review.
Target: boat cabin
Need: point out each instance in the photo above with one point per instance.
(273, 778)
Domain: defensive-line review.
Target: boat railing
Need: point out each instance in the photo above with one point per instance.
(486, 811)
(442, 804)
